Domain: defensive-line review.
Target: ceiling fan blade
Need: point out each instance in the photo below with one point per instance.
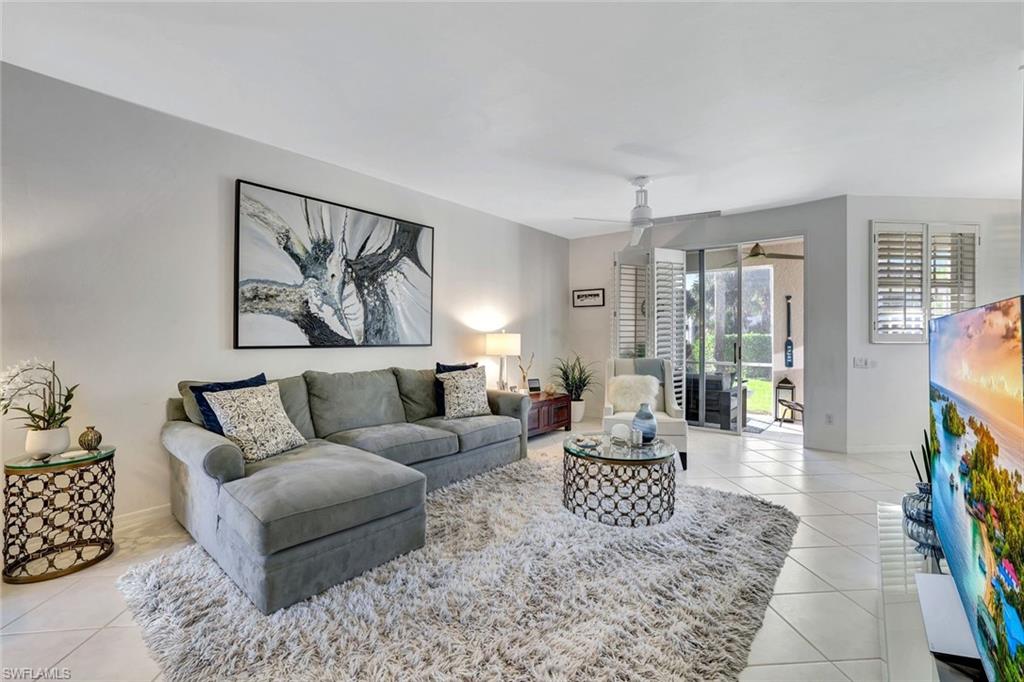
(669, 220)
(784, 256)
(603, 220)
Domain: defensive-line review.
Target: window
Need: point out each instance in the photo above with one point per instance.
(919, 271)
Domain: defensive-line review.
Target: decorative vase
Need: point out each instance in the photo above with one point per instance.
(90, 438)
(42, 444)
(644, 421)
(918, 506)
(578, 407)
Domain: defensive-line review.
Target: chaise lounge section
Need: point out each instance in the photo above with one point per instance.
(351, 498)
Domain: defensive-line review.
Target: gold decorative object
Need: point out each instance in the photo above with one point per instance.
(525, 370)
(90, 438)
(58, 516)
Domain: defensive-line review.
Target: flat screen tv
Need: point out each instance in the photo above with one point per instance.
(976, 369)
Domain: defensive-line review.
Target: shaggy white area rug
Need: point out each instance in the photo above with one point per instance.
(510, 585)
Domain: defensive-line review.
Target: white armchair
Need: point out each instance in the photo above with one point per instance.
(670, 417)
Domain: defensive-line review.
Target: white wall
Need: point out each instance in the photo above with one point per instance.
(820, 223)
(888, 402)
(118, 255)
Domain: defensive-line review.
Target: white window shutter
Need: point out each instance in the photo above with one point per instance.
(952, 254)
(630, 312)
(670, 314)
(899, 282)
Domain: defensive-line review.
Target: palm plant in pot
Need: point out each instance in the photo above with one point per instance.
(575, 377)
(33, 389)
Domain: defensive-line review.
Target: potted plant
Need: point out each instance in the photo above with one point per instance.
(575, 377)
(34, 389)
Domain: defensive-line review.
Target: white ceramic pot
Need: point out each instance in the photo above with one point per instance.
(42, 444)
(578, 406)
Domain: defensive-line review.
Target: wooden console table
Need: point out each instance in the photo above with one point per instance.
(549, 412)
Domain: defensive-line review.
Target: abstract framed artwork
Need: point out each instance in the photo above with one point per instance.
(587, 298)
(311, 273)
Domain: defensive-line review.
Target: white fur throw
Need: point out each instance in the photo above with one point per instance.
(627, 391)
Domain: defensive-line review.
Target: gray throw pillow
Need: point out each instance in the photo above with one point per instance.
(465, 393)
(254, 419)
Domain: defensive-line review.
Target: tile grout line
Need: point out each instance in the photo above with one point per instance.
(71, 584)
(90, 637)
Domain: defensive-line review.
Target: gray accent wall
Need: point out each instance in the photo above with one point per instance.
(117, 262)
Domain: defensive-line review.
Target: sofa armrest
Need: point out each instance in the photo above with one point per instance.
(509, 404)
(203, 450)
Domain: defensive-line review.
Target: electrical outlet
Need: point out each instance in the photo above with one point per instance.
(861, 363)
(829, 419)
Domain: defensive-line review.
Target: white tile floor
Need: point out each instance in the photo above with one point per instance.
(821, 624)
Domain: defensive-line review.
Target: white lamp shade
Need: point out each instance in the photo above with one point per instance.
(502, 343)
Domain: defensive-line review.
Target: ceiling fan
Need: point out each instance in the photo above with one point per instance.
(757, 252)
(640, 218)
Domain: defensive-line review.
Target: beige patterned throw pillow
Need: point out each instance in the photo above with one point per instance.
(254, 419)
(465, 393)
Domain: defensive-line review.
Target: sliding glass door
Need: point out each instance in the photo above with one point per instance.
(714, 353)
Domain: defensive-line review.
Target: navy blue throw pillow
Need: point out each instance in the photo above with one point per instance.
(209, 416)
(439, 387)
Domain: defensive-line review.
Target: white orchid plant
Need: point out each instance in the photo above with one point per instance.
(33, 389)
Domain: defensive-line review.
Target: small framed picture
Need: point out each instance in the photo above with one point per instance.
(514, 389)
(587, 298)
(534, 385)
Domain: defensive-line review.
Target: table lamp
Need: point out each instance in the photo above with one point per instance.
(503, 345)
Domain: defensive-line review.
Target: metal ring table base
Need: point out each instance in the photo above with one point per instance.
(627, 494)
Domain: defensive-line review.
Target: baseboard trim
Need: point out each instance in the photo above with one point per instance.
(135, 518)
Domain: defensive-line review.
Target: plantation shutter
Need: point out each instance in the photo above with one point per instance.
(630, 331)
(920, 271)
(670, 315)
(951, 259)
(898, 278)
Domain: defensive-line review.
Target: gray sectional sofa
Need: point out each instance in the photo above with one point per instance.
(352, 498)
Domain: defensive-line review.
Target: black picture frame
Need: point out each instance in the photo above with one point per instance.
(236, 341)
(595, 298)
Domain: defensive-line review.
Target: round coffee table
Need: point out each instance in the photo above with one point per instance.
(619, 485)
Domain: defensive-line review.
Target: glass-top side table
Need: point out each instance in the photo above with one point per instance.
(617, 484)
(58, 514)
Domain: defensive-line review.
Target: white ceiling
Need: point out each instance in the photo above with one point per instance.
(540, 112)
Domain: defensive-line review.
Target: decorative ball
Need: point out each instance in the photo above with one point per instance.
(621, 431)
(551, 389)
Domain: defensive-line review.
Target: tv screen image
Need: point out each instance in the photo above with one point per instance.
(976, 369)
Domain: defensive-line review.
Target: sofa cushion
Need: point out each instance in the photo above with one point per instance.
(629, 391)
(416, 388)
(193, 395)
(315, 490)
(254, 419)
(350, 400)
(402, 443)
(442, 368)
(294, 397)
(465, 393)
(476, 432)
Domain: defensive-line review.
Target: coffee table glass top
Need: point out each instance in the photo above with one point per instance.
(602, 446)
(71, 457)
